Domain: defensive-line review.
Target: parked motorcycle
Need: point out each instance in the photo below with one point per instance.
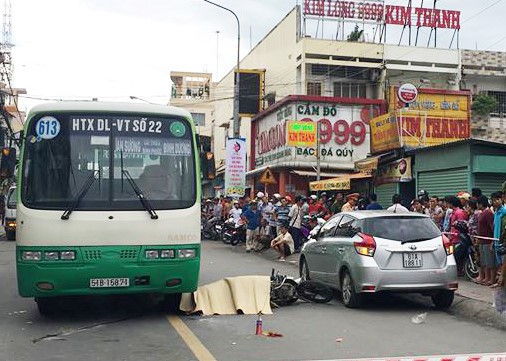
(465, 253)
(210, 228)
(233, 233)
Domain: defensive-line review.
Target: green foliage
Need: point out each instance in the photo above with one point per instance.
(356, 34)
(483, 104)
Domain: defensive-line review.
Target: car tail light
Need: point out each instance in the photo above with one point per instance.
(449, 247)
(367, 246)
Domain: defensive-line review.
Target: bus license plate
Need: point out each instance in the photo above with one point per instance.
(412, 260)
(109, 282)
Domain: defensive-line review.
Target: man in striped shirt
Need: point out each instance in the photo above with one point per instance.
(281, 213)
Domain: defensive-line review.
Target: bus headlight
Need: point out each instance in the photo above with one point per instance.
(186, 253)
(51, 256)
(68, 255)
(31, 255)
(167, 253)
(152, 254)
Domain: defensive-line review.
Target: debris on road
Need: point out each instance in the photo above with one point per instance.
(271, 334)
(418, 319)
(339, 339)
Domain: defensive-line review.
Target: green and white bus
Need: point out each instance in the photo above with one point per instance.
(108, 201)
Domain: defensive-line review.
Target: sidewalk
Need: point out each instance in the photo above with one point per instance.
(472, 302)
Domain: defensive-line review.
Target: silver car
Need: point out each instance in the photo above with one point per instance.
(376, 251)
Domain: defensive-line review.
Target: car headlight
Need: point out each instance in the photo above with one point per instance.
(68, 255)
(152, 254)
(31, 255)
(186, 253)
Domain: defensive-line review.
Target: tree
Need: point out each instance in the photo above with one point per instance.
(484, 104)
(356, 34)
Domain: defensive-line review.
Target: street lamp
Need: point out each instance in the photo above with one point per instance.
(133, 97)
(236, 85)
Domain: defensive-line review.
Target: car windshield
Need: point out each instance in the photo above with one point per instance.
(402, 229)
(12, 198)
(157, 158)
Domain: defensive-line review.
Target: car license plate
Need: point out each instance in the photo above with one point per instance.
(109, 282)
(412, 260)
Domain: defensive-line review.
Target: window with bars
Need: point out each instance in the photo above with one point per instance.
(314, 88)
(350, 90)
(501, 101)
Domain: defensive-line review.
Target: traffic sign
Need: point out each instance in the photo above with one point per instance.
(267, 177)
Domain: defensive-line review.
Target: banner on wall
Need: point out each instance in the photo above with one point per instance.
(235, 167)
(394, 172)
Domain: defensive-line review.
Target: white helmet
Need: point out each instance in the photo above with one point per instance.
(314, 197)
(260, 195)
(277, 195)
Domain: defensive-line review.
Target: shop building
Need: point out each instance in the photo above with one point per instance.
(344, 139)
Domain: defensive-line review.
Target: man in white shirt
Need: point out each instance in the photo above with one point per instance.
(283, 244)
(236, 212)
(397, 207)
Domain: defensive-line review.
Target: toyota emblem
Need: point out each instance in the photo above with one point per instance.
(412, 247)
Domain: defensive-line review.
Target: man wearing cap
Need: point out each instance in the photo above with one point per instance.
(351, 203)
(463, 198)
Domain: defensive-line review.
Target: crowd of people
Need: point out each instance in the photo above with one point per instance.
(276, 221)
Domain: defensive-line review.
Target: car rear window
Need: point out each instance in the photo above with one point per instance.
(401, 228)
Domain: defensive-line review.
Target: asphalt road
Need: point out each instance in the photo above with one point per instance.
(133, 328)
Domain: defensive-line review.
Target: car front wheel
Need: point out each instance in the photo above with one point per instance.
(304, 270)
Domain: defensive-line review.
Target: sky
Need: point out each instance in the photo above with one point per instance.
(114, 49)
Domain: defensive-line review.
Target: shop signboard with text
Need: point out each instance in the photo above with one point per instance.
(377, 12)
(343, 133)
(436, 117)
(394, 172)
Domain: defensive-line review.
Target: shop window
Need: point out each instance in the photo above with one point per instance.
(314, 88)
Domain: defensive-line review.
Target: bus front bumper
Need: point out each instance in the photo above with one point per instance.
(106, 270)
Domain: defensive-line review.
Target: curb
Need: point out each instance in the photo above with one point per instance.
(467, 308)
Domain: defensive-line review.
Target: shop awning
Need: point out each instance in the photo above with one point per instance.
(307, 173)
(339, 183)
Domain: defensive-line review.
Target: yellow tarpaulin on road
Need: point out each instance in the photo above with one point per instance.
(249, 295)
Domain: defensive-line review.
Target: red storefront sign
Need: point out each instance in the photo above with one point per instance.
(375, 11)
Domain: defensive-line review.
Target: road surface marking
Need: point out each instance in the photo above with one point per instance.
(191, 340)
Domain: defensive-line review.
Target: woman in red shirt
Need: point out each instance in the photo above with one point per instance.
(458, 214)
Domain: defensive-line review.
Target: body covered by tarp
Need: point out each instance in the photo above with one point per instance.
(244, 294)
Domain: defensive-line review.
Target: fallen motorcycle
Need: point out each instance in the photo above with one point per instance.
(286, 290)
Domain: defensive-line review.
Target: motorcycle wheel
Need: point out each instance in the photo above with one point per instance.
(286, 294)
(225, 239)
(471, 269)
(314, 292)
(234, 241)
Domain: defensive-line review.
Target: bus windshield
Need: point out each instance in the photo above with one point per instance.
(62, 153)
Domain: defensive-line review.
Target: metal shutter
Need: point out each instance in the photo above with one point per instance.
(385, 193)
(489, 182)
(443, 182)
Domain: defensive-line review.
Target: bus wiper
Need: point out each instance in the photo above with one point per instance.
(142, 197)
(82, 192)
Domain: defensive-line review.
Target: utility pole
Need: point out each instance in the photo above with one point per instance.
(236, 85)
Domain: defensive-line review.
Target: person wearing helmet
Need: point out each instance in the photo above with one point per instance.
(277, 199)
(236, 212)
(315, 207)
